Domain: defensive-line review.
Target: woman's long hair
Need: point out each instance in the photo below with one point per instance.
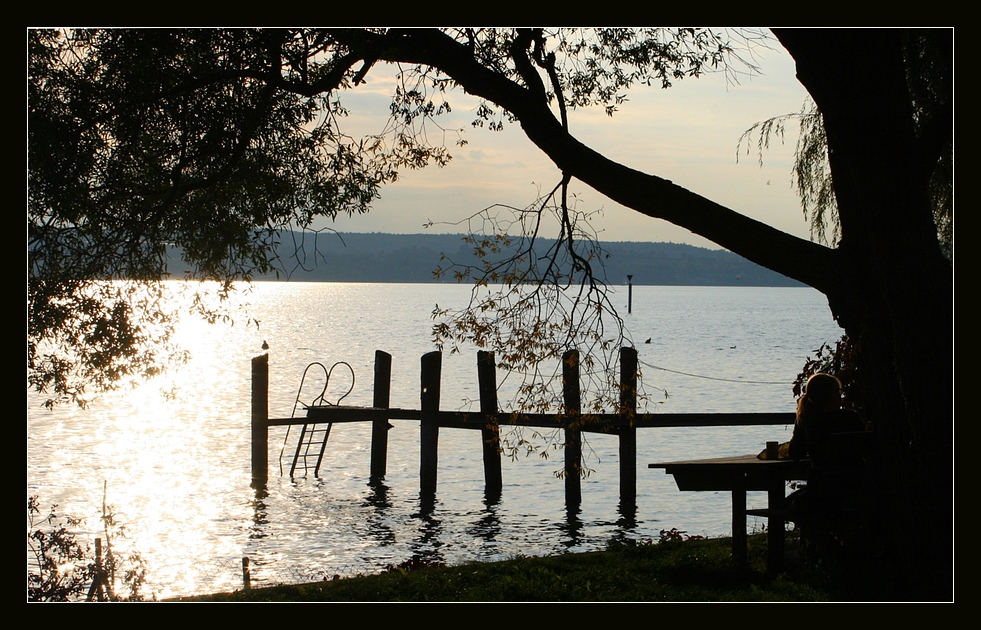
(822, 394)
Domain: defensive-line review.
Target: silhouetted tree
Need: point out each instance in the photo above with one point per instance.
(214, 139)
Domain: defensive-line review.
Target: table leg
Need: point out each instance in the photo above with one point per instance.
(739, 525)
(776, 531)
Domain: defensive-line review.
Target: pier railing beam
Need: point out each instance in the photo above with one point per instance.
(573, 436)
(628, 435)
(490, 437)
(380, 426)
(260, 417)
(429, 423)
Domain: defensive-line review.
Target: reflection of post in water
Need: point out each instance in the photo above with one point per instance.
(259, 516)
(572, 526)
(488, 527)
(427, 504)
(426, 547)
(627, 523)
(628, 514)
(377, 498)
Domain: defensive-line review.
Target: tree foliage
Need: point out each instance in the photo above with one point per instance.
(143, 139)
(214, 140)
(58, 572)
(812, 174)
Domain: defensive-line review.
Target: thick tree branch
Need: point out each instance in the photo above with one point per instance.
(648, 194)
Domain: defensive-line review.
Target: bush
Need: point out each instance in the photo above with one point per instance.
(59, 571)
(61, 567)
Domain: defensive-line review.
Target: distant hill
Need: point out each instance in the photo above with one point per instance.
(377, 257)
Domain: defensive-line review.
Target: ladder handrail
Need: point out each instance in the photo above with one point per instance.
(319, 399)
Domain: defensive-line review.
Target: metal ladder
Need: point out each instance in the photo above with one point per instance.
(312, 441)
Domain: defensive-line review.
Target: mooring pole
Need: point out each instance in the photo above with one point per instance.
(246, 574)
(379, 427)
(573, 436)
(490, 436)
(630, 293)
(628, 435)
(260, 418)
(429, 423)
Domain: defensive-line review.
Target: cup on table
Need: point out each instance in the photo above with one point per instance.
(772, 450)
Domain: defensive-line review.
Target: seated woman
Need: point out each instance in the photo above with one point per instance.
(831, 437)
(819, 415)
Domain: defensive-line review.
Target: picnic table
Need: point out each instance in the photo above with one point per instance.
(738, 475)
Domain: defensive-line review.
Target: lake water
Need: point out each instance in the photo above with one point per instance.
(174, 453)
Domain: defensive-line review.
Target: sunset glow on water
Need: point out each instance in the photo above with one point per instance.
(174, 456)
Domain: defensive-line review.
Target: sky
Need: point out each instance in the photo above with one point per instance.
(688, 134)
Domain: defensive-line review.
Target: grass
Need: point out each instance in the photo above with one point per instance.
(694, 570)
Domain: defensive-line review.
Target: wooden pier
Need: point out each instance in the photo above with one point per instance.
(624, 423)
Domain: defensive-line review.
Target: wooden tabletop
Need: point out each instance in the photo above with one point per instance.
(746, 472)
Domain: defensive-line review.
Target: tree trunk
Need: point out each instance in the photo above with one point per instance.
(895, 289)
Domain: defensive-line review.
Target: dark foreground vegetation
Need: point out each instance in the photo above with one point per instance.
(675, 570)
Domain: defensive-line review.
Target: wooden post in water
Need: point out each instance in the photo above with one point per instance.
(260, 417)
(429, 423)
(379, 427)
(246, 574)
(628, 435)
(102, 586)
(573, 436)
(490, 437)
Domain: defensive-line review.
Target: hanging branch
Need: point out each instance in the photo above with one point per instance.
(530, 305)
